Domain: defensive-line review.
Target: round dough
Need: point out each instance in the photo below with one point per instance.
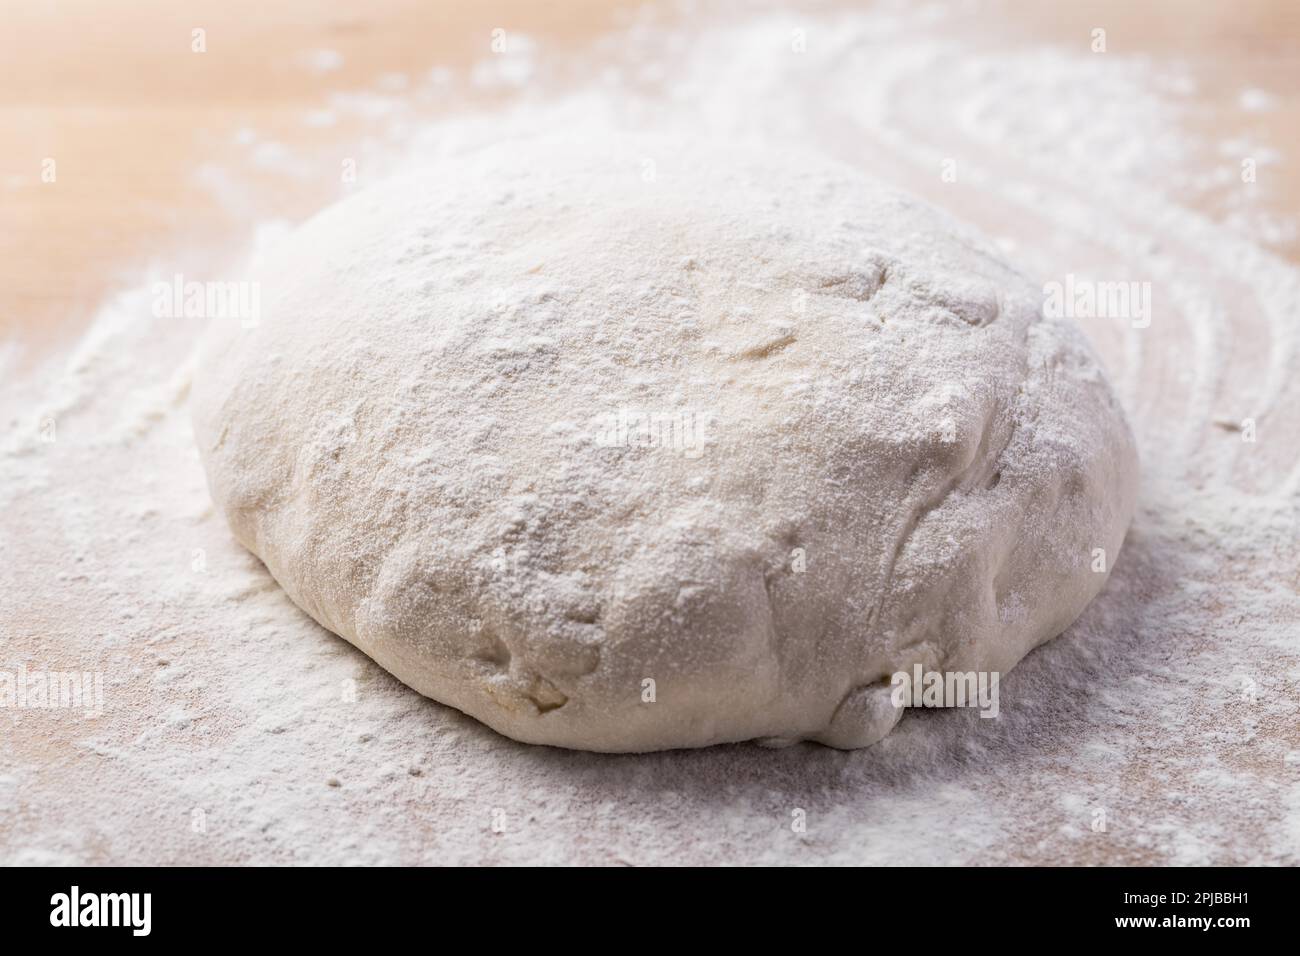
(630, 446)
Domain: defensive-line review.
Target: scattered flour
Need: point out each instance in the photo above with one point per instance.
(1159, 729)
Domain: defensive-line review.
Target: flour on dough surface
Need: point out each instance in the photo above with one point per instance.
(856, 446)
(1168, 704)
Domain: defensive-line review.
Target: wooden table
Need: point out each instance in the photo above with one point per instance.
(149, 143)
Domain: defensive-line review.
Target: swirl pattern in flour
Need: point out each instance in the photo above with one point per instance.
(1168, 708)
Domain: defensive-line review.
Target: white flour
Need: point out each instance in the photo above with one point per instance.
(554, 420)
(1160, 729)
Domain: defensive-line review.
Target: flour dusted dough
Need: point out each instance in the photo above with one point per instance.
(633, 446)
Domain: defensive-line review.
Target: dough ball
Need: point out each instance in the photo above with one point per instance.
(640, 445)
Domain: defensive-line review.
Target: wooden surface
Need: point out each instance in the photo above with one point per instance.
(134, 121)
(129, 113)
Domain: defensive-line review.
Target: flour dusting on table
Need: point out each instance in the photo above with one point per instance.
(1161, 728)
